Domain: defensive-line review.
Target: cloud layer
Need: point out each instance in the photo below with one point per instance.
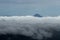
(34, 27)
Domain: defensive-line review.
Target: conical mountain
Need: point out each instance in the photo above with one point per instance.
(37, 15)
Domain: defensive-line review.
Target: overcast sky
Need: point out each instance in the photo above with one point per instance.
(30, 7)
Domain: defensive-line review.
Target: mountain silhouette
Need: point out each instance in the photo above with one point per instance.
(37, 15)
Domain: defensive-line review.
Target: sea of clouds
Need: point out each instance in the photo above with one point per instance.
(35, 27)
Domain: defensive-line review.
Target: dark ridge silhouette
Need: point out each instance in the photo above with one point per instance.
(37, 15)
(15, 37)
(55, 36)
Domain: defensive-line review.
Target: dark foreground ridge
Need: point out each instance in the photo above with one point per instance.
(15, 37)
(56, 36)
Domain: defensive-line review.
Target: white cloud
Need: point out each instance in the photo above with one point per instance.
(30, 26)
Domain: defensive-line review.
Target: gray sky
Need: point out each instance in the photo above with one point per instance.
(30, 7)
